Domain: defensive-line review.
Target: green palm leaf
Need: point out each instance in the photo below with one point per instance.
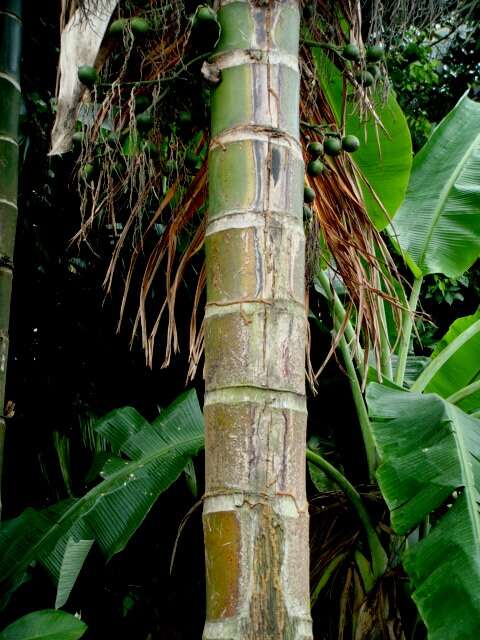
(150, 458)
(438, 224)
(430, 452)
(45, 625)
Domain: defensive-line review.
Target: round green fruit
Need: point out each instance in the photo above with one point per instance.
(184, 118)
(88, 171)
(142, 103)
(351, 52)
(77, 138)
(374, 70)
(315, 167)
(145, 121)
(118, 27)
(307, 213)
(205, 15)
(308, 12)
(332, 146)
(315, 149)
(170, 166)
(350, 143)
(87, 75)
(151, 148)
(365, 78)
(308, 194)
(139, 26)
(113, 139)
(375, 53)
(191, 159)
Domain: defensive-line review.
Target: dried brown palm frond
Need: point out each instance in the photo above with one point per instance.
(131, 203)
(165, 249)
(359, 611)
(354, 247)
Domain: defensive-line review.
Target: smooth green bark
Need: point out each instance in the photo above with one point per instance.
(255, 509)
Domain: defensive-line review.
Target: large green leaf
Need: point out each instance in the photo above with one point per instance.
(430, 452)
(385, 155)
(457, 376)
(72, 562)
(438, 224)
(150, 458)
(45, 625)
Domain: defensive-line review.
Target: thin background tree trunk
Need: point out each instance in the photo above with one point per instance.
(255, 509)
(10, 48)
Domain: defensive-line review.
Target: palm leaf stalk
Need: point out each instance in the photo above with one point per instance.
(255, 510)
(379, 557)
(341, 342)
(10, 48)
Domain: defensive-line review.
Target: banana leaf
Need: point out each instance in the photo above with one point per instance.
(458, 378)
(147, 459)
(385, 154)
(438, 225)
(430, 466)
(45, 625)
(454, 363)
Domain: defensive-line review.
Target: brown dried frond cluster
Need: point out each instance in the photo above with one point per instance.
(135, 193)
(351, 245)
(338, 553)
(135, 199)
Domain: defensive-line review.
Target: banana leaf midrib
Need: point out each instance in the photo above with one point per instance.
(466, 470)
(83, 505)
(437, 363)
(443, 197)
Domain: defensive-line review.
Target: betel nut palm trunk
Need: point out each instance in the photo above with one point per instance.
(10, 96)
(255, 510)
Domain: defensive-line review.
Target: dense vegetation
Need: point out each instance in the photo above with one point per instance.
(69, 367)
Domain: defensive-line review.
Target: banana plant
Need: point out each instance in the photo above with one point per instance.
(437, 228)
(146, 459)
(454, 368)
(430, 477)
(424, 440)
(45, 625)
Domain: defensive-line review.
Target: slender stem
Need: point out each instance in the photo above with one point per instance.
(361, 408)
(340, 313)
(437, 363)
(407, 325)
(379, 557)
(324, 128)
(385, 349)
(173, 76)
(358, 399)
(320, 45)
(461, 394)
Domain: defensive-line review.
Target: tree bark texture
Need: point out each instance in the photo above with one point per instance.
(255, 510)
(10, 96)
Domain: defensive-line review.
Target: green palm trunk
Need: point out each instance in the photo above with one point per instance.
(255, 510)
(10, 48)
